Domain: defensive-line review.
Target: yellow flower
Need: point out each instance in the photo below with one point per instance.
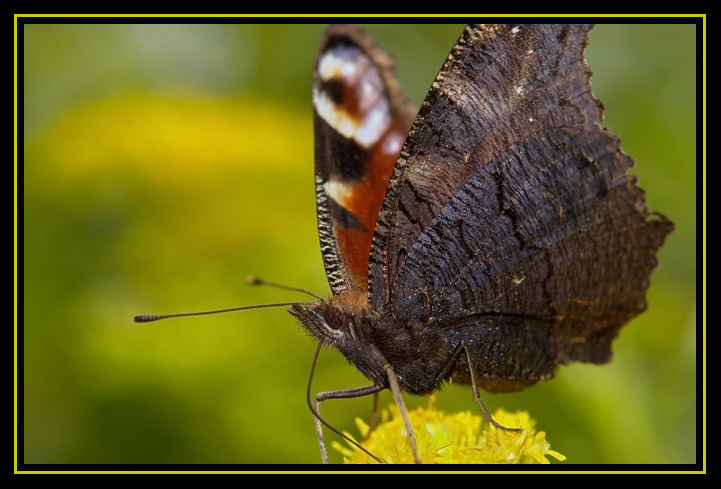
(451, 438)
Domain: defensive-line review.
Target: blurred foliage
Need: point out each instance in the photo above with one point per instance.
(164, 163)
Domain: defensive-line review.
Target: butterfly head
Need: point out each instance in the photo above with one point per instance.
(335, 321)
(347, 323)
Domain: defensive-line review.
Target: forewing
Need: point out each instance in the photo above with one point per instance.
(361, 119)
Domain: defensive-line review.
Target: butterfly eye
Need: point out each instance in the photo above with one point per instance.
(334, 317)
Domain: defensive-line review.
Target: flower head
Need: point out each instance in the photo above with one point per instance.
(451, 438)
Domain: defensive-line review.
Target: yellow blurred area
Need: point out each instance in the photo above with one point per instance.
(166, 138)
(197, 155)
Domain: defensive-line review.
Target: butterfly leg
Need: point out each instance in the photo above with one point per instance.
(344, 394)
(396, 390)
(374, 416)
(463, 348)
(477, 394)
(319, 421)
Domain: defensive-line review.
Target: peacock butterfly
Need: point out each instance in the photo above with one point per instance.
(486, 240)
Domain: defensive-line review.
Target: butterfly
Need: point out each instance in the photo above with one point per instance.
(487, 238)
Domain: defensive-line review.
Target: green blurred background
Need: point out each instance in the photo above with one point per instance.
(164, 163)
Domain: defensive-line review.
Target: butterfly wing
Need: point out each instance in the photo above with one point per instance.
(509, 199)
(361, 119)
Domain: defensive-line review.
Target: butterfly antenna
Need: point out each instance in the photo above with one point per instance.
(150, 318)
(253, 280)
